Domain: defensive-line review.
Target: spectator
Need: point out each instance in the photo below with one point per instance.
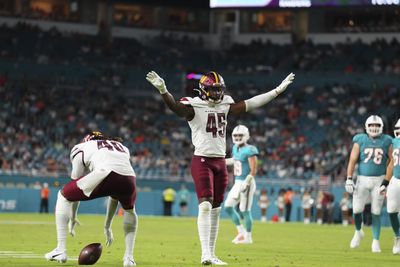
(184, 197)
(44, 198)
(168, 199)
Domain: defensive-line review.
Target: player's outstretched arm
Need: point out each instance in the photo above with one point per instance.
(178, 108)
(73, 221)
(111, 209)
(262, 99)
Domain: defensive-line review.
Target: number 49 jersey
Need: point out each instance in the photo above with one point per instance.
(104, 155)
(373, 154)
(208, 126)
(241, 155)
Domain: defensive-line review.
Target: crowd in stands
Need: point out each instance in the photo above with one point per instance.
(302, 134)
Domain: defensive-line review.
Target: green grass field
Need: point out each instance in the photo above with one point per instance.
(174, 242)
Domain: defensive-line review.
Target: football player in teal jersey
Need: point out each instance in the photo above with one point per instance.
(244, 161)
(372, 152)
(392, 182)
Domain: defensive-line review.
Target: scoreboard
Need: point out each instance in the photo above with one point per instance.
(299, 3)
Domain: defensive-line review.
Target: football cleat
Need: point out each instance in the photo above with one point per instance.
(56, 255)
(129, 261)
(358, 236)
(376, 248)
(216, 261)
(239, 237)
(206, 261)
(396, 246)
(246, 240)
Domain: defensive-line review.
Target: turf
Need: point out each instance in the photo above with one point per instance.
(174, 242)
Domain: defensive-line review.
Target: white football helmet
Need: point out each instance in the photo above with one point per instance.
(371, 128)
(397, 129)
(240, 135)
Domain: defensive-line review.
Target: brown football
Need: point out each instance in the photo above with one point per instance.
(90, 254)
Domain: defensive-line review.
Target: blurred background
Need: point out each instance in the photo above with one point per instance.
(70, 66)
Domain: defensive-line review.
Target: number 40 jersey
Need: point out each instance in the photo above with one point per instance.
(104, 155)
(208, 126)
(373, 156)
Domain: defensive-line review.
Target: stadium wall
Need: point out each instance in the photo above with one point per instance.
(147, 203)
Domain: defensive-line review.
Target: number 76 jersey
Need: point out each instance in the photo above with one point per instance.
(374, 154)
(209, 126)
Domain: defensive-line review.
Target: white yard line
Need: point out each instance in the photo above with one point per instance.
(26, 255)
(26, 222)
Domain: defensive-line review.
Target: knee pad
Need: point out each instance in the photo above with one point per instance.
(205, 206)
(130, 221)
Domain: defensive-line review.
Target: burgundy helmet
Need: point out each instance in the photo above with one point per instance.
(93, 135)
(212, 87)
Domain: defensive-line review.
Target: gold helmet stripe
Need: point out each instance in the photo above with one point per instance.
(216, 76)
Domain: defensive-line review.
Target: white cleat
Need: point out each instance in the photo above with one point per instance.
(216, 261)
(56, 255)
(246, 240)
(376, 247)
(129, 261)
(396, 246)
(239, 237)
(206, 261)
(358, 236)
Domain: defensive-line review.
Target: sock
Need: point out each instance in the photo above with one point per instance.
(240, 229)
(376, 226)
(394, 221)
(203, 226)
(248, 221)
(358, 220)
(234, 215)
(63, 214)
(248, 236)
(214, 229)
(130, 224)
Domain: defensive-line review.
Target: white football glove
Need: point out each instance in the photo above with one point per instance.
(349, 186)
(71, 226)
(109, 236)
(158, 82)
(246, 183)
(284, 84)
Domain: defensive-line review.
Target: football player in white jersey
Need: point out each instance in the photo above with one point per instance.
(244, 161)
(207, 118)
(100, 167)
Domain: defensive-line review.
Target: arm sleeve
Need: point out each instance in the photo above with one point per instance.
(78, 167)
(260, 100)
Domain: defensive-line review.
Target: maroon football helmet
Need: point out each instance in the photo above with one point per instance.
(93, 135)
(212, 87)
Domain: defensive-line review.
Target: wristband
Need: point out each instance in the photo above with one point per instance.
(385, 183)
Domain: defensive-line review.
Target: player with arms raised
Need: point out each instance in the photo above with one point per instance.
(372, 152)
(244, 161)
(392, 182)
(207, 118)
(110, 174)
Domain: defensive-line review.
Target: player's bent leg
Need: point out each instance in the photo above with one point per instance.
(63, 213)
(130, 224)
(204, 227)
(230, 203)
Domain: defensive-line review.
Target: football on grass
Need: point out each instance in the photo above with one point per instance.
(90, 254)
